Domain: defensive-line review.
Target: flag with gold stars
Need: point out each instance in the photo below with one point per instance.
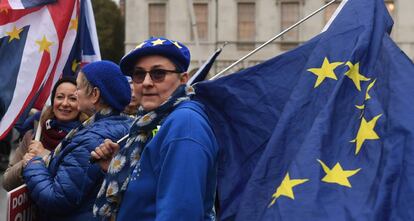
(323, 132)
(86, 47)
(34, 46)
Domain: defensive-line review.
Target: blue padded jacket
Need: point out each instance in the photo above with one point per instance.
(66, 190)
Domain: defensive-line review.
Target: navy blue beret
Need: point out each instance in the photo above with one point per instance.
(176, 52)
(112, 84)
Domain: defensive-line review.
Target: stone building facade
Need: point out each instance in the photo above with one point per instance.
(243, 24)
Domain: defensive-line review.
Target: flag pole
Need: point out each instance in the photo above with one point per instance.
(39, 126)
(272, 39)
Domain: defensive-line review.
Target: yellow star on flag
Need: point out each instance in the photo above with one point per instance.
(178, 45)
(140, 45)
(360, 107)
(44, 44)
(75, 65)
(73, 24)
(326, 71)
(158, 42)
(337, 174)
(367, 96)
(285, 188)
(366, 132)
(14, 34)
(354, 75)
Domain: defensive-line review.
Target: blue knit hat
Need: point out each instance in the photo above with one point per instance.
(112, 84)
(176, 52)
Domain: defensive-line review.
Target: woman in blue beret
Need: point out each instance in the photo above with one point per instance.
(167, 168)
(64, 184)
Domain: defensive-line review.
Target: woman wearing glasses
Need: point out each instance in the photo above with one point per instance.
(167, 168)
(64, 187)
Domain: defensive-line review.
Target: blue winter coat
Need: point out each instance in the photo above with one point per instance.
(66, 190)
(176, 176)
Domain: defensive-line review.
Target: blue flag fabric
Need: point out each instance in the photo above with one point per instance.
(202, 72)
(323, 132)
(86, 46)
(10, 79)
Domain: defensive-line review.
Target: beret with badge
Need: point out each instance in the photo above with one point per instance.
(175, 51)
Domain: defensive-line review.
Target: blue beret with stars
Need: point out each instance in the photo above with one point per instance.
(176, 52)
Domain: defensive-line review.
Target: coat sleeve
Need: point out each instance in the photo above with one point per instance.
(12, 177)
(182, 182)
(74, 179)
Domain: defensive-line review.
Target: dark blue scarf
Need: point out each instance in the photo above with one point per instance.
(62, 126)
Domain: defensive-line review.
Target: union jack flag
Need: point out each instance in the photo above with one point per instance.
(35, 44)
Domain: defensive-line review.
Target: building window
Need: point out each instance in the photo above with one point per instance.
(201, 16)
(289, 16)
(156, 19)
(330, 10)
(246, 25)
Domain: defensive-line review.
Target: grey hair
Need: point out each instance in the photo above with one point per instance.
(84, 83)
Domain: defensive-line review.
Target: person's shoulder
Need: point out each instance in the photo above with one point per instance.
(112, 127)
(189, 110)
(188, 119)
(189, 123)
(113, 121)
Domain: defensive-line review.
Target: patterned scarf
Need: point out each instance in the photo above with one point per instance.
(116, 181)
(53, 131)
(66, 127)
(106, 112)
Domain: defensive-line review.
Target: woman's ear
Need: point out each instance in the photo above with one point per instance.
(96, 95)
(184, 78)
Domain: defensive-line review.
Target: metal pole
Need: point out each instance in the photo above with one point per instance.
(272, 39)
(93, 160)
(39, 125)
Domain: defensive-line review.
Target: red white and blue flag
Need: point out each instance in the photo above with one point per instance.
(23, 4)
(35, 44)
(86, 47)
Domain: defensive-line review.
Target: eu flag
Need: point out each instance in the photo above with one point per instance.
(323, 132)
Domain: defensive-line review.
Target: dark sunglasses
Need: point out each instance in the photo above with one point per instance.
(157, 75)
